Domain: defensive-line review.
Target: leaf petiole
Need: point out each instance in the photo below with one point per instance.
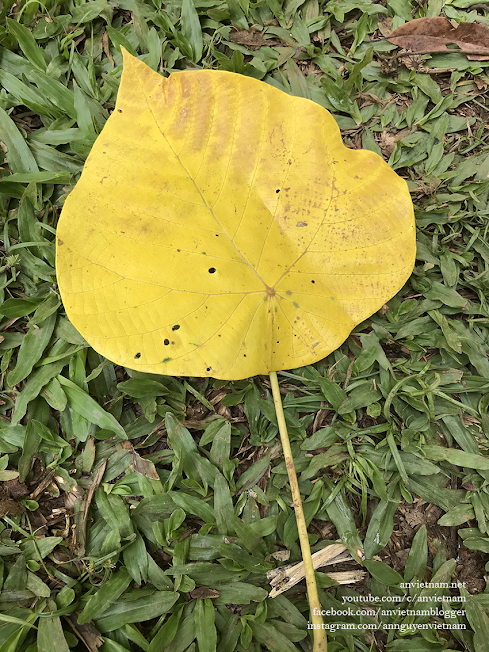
(320, 640)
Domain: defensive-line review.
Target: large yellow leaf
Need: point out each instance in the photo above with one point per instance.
(221, 228)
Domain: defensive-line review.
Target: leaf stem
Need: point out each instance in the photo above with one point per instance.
(320, 641)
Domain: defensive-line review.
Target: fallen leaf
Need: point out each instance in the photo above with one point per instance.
(106, 47)
(388, 142)
(144, 467)
(87, 633)
(385, 26)
(84, 502)
(203, 592)
(9, 507)
(427, 35)
(234, 234)
(281, 555)
(15, 489)
(251, 39)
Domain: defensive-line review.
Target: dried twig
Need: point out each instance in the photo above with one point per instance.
(283, 578)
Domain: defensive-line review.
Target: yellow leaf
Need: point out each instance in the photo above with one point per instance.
(221, 228)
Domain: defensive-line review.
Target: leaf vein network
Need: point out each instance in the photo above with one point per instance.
(194, 182)
(260, 305)
(255, 168)
(333, 186)
(283, 182)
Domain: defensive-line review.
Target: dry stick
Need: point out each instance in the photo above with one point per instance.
(320, 640)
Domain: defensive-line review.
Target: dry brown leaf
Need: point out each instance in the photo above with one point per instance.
(106, 47)
(427, 35)
(387, 143)
(81, 514)
(144, 467)
(251, 39)
(385, 26)
(140, 464)
(87, 633)
(203, 592)
(281, 555)
(10, 507)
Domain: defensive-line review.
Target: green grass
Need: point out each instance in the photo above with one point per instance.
(151, 507)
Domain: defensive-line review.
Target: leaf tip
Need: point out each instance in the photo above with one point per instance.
(127, 57)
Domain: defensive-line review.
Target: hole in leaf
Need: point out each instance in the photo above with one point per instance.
(212, 270)
(166, 342)
(138, 355)
(176, 327)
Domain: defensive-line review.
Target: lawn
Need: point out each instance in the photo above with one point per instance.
(147, 512)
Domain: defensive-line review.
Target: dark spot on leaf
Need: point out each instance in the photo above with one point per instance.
(244, 355)
(208, 368)
(176, 327)
(212, 270)
(166, 342)
(296, 305)
(119, 110)
(313, 281)
(178, 250)
(167, 360)
(138, 355)
(278, 190)
(288, 292)
(60, 242)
